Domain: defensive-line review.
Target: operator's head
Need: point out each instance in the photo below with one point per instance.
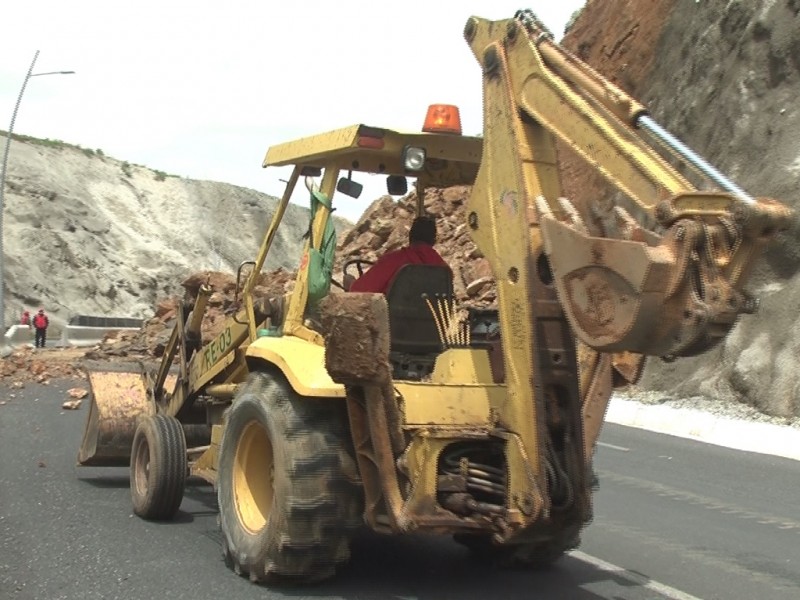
(423, 230)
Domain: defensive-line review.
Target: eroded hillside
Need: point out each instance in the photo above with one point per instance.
(89, 234)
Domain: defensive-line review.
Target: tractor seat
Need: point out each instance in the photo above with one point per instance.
(411, 324)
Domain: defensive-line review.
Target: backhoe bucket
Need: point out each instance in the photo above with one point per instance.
(119, 398)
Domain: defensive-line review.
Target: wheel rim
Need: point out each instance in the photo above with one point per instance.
(141, 467)
(253, 470)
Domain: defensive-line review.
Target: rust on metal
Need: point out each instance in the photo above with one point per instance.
(356, 328)
(119, 398)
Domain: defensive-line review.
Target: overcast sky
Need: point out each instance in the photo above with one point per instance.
(202, 89)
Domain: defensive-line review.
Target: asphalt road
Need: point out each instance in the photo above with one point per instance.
(673, 519)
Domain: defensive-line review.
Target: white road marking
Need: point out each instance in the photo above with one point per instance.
(613, 447)
(640, 580)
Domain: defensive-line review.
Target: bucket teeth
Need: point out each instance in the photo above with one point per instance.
(542, 208)
(628, 227)
(572, 215)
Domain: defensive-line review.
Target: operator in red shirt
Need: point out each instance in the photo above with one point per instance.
(419, 251)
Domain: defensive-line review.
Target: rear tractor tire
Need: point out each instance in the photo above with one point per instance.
(287, 488)
(158, 468)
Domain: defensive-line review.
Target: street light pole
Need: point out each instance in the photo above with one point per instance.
(28, 75)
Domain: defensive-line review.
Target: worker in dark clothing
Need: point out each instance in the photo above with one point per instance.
(419, 251)
(40, 323)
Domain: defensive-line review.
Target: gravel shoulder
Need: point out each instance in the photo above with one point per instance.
(720, 408)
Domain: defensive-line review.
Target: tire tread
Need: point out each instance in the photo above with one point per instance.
(320, 510)
(168, 468)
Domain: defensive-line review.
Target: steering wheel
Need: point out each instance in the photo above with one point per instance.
(359, 264)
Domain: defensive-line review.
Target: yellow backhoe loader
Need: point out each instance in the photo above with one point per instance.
(325, 411)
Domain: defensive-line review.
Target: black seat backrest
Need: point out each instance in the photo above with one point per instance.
(412, 326)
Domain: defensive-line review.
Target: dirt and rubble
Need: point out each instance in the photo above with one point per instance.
(151, 340)
(27, 364)
(385, 224)
(31, 365)
(383, 227)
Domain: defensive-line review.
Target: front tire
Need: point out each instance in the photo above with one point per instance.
(286, 486)
(158, 468)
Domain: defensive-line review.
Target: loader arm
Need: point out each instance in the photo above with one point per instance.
(213, 369)
(222, 360)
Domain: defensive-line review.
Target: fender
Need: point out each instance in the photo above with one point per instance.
(302, 362)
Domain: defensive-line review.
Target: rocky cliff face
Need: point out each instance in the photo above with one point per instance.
(724, 76)
(88, 234)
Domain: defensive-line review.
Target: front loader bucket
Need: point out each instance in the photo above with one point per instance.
(118, 399)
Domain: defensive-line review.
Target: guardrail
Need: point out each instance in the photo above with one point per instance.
(75, 335)
(82, 330)
(88, 330)
(18, 335)
(108, 322)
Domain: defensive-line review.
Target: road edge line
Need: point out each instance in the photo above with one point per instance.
(638, 579)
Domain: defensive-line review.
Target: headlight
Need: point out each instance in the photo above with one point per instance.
(413, 158)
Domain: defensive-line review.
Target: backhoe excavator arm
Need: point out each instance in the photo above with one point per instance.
(675, 294)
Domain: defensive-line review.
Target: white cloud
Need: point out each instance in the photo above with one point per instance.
(201, 89)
